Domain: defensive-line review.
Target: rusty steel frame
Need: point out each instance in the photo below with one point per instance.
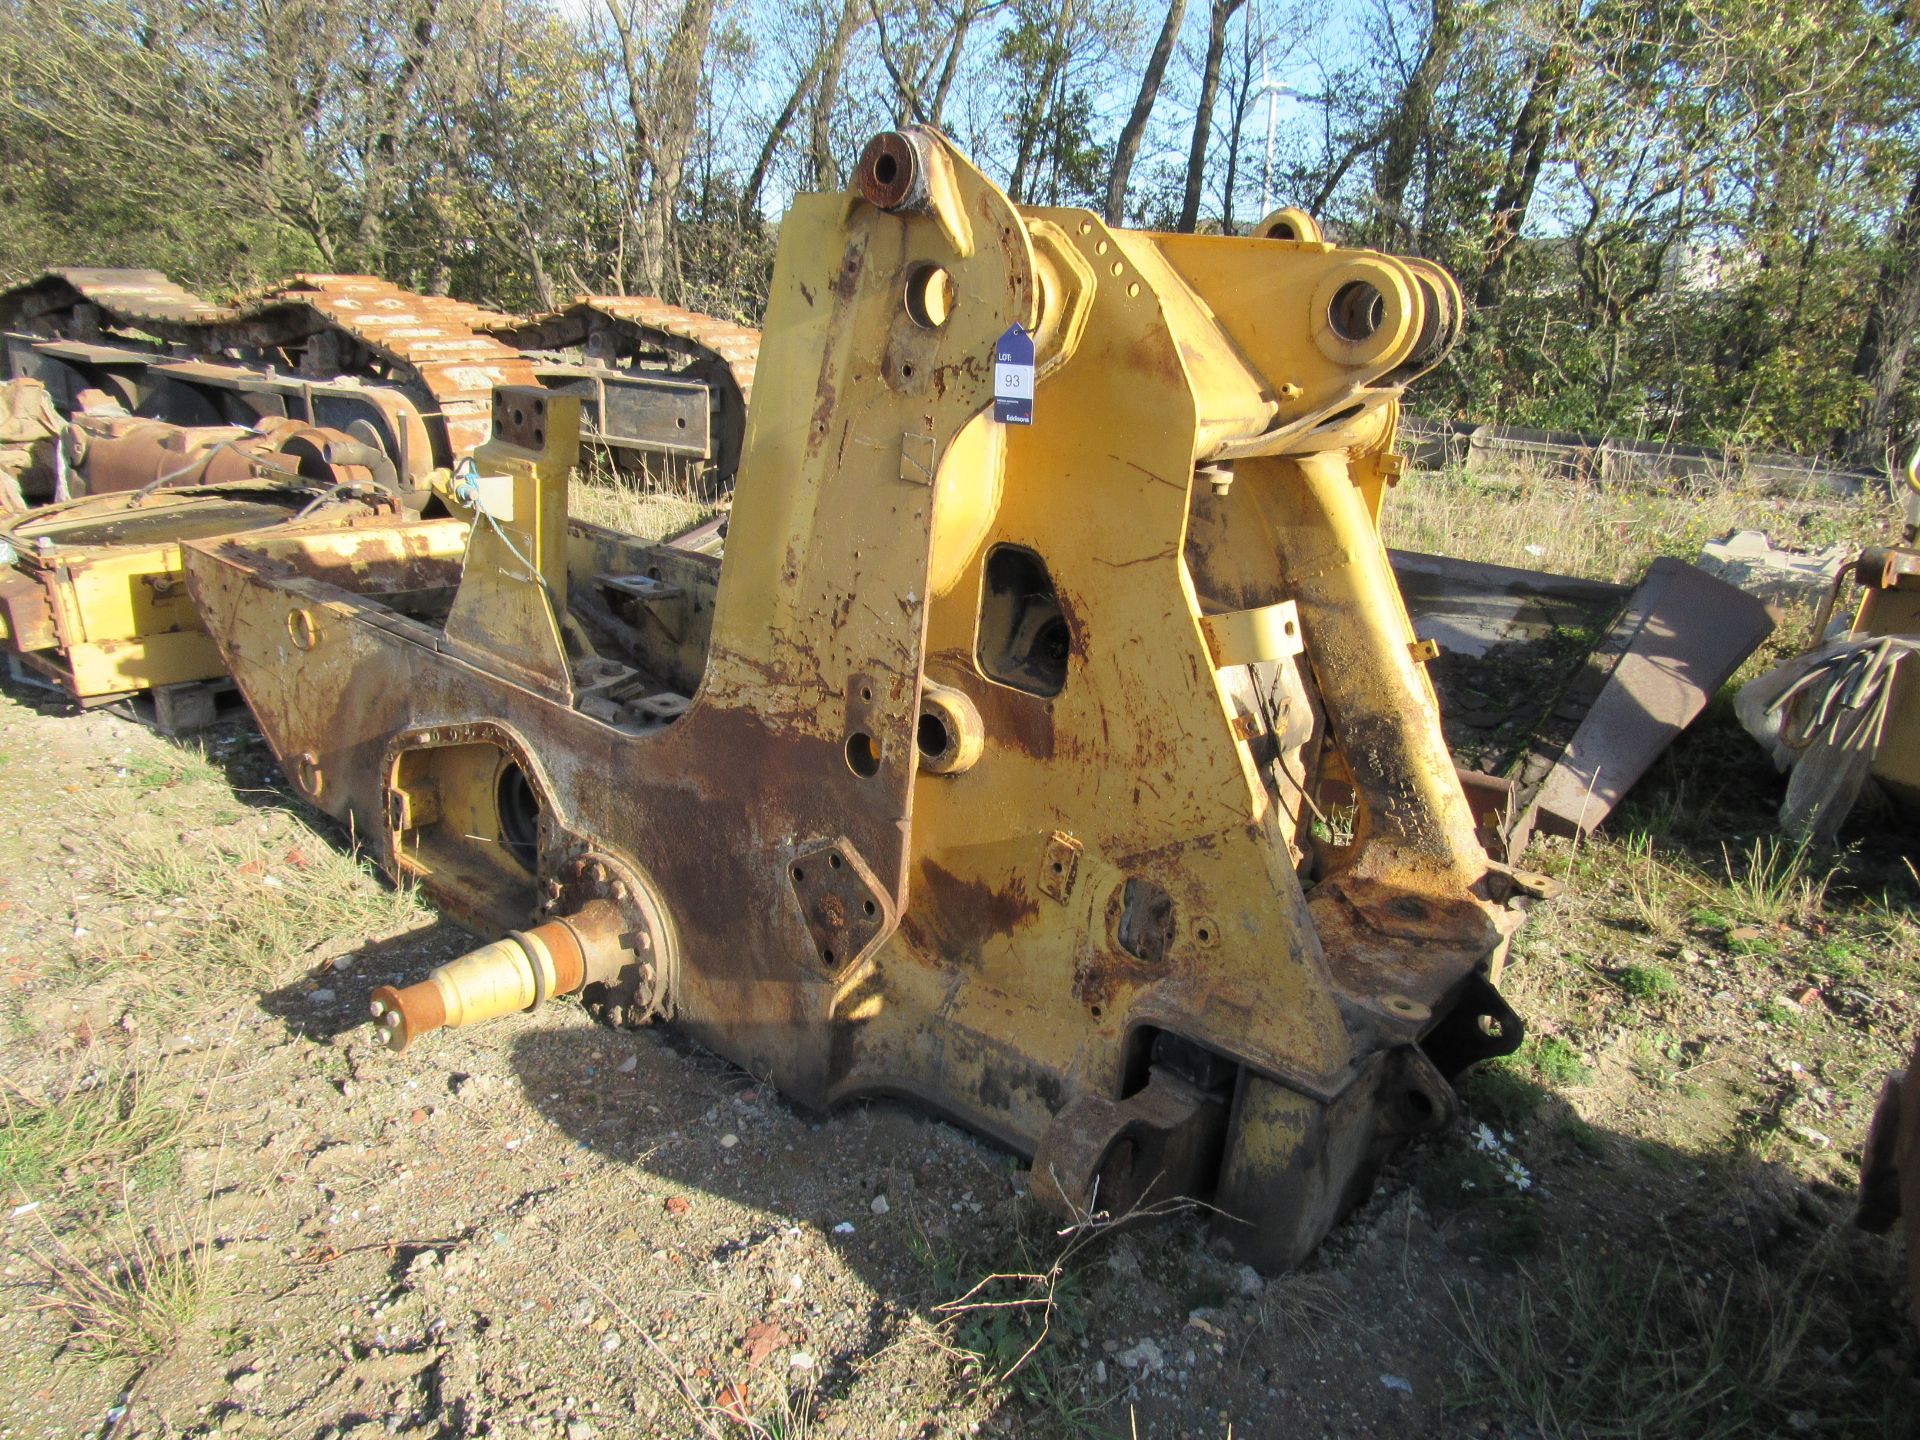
(980, 772)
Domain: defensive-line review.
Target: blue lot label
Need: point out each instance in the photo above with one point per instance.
(1013, 377)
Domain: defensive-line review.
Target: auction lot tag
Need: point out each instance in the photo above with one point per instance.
(1013, 378)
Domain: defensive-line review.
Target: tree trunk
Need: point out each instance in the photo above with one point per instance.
(1128, 147)
(826, 169)
(951, 66)
(1413, 111)
(1034, 121)
(756, 182)
(1526, 153)
(676, 107)
(1886, 339)
(1203, 115)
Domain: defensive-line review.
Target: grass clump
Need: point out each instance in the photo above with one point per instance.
(244, 903)
(1646, 983)
(1555, 1061)
(1628, 1344)
(135, 1299)
(1774, 882)
(648, 506)
(102, 1121)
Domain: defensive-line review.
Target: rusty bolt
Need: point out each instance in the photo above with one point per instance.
(620, 891)
(642, 941)
(553, 888)
(597, 873)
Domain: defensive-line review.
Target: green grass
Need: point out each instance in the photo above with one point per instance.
(1775, 881)
(134, 1299)
(1555, 1061)
(102, 1123)
(1641, 1340)
(1646, 983)
(241, 905)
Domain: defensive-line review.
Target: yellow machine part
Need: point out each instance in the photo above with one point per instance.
(980, 771)
(105, 620)
(95, 598)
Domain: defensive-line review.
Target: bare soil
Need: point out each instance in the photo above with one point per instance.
(227, 1212)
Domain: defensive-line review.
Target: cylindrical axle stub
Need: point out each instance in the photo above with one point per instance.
(518, 973)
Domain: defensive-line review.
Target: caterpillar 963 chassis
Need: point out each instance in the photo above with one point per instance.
(980, 770)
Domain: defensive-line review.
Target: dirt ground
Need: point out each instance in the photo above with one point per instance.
(226, 1211)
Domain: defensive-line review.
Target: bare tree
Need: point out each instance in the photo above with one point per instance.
(664, 115)
(1406, 125)
(832, 60)
(1127, 147)
(1221, 12)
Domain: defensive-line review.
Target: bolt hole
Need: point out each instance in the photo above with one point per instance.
(826, 953)
(930, 296)
(1204, 934)
(539, 407)
(906, 372)
(539, 437)
(519, 417)
(833, 861)
(799, 875)
(681, 421)
(866, 693)
(1059, 868)
(1356, 311)
(1096, 1012)
(871, 908)
(932, 736)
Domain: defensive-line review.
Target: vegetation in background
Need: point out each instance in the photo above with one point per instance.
(1693, 220)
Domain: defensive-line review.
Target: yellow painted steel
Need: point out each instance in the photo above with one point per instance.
(993, 780)
(119, 619)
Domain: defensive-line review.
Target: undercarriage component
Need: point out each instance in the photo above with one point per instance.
(654, 380)
(661, 385)
(980, 770)
(407, 374)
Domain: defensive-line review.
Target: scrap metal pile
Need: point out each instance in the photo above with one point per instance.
(150, 416)
(995, 765)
